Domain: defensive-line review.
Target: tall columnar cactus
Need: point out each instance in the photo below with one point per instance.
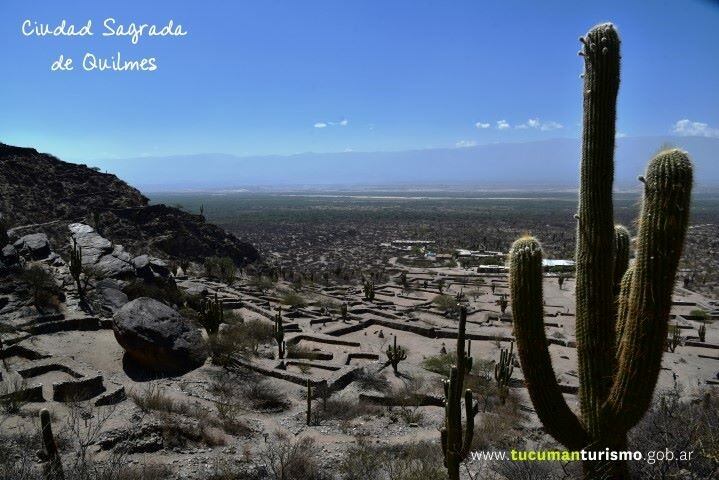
(212, 314)
(621, 324)
(503, 371)
(456, 441)
(76, 266)
(369, 290)
(279, 333)
(395, 355)
(309, 402)
(52, 468)
(702, 331)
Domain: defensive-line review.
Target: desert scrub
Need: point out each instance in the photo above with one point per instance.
(293, 299)
(264, 396)
(287, 459)
(221, 268)
(416, 461)
(446, 303)
(241, 339)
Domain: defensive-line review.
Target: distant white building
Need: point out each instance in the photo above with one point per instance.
(557, 263)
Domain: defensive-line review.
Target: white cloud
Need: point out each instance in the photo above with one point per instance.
(537, 124)
(481, 125)
(620, 135)
(465, 143)
(551, 126)
(502, 124)
(342, 123)
(687, 128)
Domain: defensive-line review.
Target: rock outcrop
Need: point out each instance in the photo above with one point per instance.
(157, 337)
(40, 193)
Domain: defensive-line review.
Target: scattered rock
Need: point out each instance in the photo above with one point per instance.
(35, 246)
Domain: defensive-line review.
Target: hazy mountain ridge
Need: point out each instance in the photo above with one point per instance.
(552, 163)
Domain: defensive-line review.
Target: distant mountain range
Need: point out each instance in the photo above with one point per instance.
(540, 164)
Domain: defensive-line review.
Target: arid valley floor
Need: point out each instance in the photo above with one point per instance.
(244, 414)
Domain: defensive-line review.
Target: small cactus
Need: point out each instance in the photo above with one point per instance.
(503, 303)
(212, 315)
(343, 311)
(702, 331)
(503, 371)
(309, 402)
(456, 441)
(369, 290)
(76, 267)
(52, 468)
(395, 355)
(279, 334)
(675, 338)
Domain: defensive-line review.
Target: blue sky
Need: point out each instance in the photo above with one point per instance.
(268, 76)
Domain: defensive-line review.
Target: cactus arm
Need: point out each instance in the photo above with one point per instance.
(662, 228)
(595, 229)
(621, 256)
(469, 425)
(525, 276)
(623, 305)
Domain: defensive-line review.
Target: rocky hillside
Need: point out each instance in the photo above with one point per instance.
(39, 192)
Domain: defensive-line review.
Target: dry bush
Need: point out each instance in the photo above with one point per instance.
(293, 299)
(679, 425)
(177, 432)
(341, 409)
(154, 399)
(417, 461)
(264, 396)
(370, 379)
(12, 398)
(501, 428)
(291, 460)
(228, 414)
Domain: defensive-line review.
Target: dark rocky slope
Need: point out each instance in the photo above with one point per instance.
(39, 192)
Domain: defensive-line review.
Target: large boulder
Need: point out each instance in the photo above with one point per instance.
(157, 337)
(35, 246)
(94, 246)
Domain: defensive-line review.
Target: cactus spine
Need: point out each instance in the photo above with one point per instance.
(456, 442)
(395, 355)
(503, 371)
(212, 315)
(76, 267)
(52, 468)
(620, 340)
